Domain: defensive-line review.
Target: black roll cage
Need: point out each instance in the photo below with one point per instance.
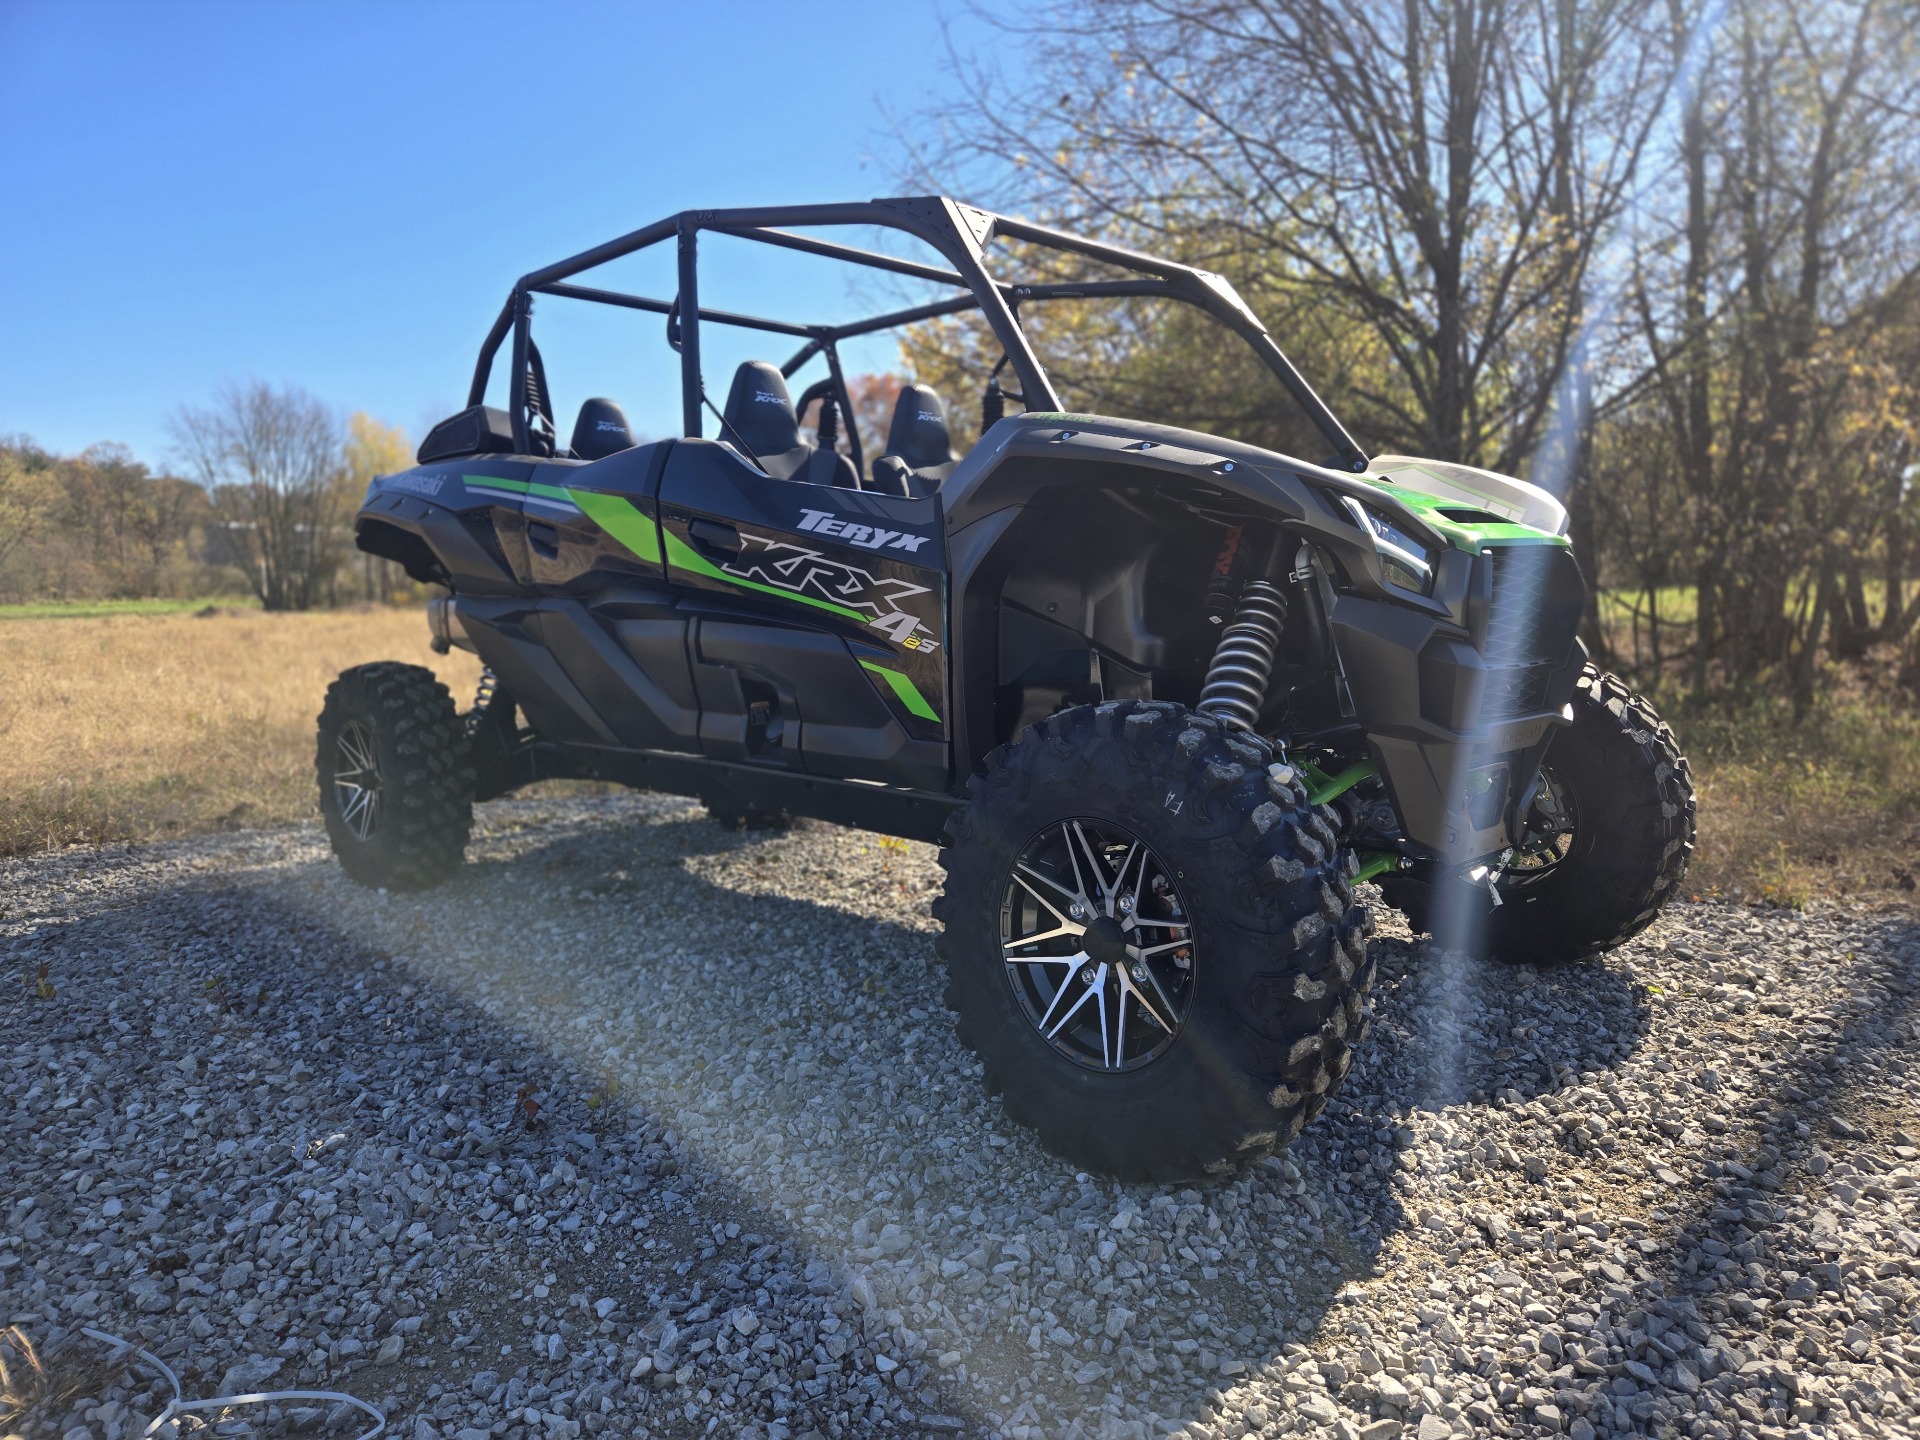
(958, 232)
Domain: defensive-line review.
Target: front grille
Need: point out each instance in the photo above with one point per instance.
(1532, 619)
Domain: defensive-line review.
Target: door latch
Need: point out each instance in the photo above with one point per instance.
(716, 536)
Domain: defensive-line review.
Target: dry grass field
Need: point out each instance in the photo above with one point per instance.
(136, 726)
(132, 727)
(1825, 806)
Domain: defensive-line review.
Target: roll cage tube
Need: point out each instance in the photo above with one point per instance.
(959, 233)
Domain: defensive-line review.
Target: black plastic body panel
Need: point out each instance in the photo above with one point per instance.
(570, 551)
(448, 526)
(1418, 687)
(672, 607)
(914, 814)
(849, 589)
(831, 720)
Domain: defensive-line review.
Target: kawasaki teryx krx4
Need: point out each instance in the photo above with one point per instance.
(1163, 698)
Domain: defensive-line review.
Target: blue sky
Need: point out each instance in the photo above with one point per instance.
(339, 195)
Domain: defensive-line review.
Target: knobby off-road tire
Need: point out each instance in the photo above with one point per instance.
(1279, 969)
(401, 721)
(1630, 792)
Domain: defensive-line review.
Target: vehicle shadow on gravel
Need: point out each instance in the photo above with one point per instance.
(832, 1039)
(305, 1167)
(737, 1043)
(802, 966)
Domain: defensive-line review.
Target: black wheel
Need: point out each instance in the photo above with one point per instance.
(1606, 846)
(1150, 940)
(396, 782)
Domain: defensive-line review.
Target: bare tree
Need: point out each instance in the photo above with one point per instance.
(270, 461)
(1440, 175)
(1776, 293)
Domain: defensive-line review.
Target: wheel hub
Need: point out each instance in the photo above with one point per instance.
(1105, 942)
(1547, 830)
(1098, 944)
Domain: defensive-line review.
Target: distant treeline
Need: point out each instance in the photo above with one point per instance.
(266, 510)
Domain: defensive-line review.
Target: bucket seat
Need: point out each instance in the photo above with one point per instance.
(601, 430)
(760, 417)
(919, 453)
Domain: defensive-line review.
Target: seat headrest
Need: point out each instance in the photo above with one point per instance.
(760, 411)
(601, 430)
(918, 434)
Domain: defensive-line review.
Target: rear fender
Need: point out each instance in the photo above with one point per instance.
(458, 525)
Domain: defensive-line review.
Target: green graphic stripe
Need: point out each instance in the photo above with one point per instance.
(521, 487)
(905, 691)
(613, 514)
(683, 556)
(496, 482)
(620, 519)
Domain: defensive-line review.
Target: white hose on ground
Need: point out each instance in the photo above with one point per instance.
(179, 1405)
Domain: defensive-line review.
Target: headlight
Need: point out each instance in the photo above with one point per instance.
(1408, 563)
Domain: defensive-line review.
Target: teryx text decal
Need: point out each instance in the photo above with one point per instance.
(867, 537)
(786, 566)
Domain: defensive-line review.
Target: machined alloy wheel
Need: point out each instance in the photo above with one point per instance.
(1098, 944)
(356, 779)
(1150, 940)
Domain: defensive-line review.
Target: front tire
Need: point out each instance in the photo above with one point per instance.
(396, 778)
(1255, 1034)
(1609, 841)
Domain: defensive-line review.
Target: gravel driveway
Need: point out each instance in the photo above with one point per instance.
(642, 1128)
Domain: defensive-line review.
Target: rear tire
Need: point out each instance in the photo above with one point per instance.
(1619, 769)
(396, 778)
(1279, 973)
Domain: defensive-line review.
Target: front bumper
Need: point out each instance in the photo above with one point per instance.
(1460, 716)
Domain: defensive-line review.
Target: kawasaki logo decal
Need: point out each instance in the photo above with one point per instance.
(867, 537)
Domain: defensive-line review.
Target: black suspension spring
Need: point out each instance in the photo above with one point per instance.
(482, 700)
(1236, 684)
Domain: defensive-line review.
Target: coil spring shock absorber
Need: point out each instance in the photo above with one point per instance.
(1242, 667)
(482, 700)
(1236, 684)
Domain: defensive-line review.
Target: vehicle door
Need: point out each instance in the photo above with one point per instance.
(604, 615)
(816, 619)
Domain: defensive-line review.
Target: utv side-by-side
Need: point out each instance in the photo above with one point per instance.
(1163, 698)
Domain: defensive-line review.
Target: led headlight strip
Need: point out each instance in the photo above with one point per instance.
(1398, 550)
